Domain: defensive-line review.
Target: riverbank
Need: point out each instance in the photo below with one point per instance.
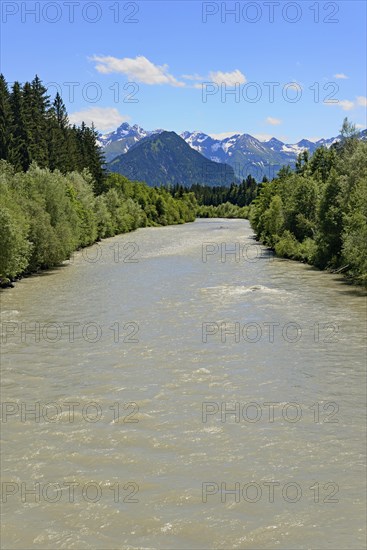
(46, 215)
(318, 214)
(342, 272)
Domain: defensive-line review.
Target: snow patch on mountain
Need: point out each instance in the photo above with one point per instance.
(293, 149)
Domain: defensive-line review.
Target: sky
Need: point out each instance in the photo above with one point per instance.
(291, 70)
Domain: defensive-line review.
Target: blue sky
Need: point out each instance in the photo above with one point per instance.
(273, 68)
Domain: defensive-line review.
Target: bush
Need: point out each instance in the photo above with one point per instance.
(14, 245)
(287, 246)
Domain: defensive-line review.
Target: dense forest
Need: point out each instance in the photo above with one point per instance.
(32, 129)
(318, 214)
(222, 201)
(238, 194)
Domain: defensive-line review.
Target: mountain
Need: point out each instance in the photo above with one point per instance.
(248, 155)
(165, 158)
(121, 140)
(245, 153)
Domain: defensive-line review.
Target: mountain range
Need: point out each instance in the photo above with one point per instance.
(243, 152)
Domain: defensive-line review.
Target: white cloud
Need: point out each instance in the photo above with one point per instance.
(104, 118)
(224, 135)
(138, 69)
(341, 75)
(344, 104)
(348, 105)
(229, 79)
(273, 121)
(360, 126)
(219, 78)
(193, 77)
(362, 101)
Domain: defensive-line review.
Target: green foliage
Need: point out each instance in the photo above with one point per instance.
(330, 226)
(354, 236)
(5, 119)
(45, 215)
(225, 210)
(34, 130)
(287, 245)
(15, 248)
(239, 194)
(321, 163)
(319, 214)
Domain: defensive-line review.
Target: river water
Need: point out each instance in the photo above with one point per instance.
(161, 392)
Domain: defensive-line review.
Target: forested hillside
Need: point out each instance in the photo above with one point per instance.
(166, 159)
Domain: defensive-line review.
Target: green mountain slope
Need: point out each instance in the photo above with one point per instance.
(166, 158)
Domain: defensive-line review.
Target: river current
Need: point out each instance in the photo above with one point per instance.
(180, 388)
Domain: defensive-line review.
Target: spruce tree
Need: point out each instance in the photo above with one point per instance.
(18, 154)
(58, 137)
(5, 119)
(40, 105)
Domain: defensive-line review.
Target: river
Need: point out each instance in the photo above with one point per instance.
(181, 388)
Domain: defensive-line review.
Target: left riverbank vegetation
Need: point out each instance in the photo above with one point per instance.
(55, 196)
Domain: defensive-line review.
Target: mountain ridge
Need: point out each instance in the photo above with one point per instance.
(243, 152)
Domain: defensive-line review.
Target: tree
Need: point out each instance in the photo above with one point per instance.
(37, 105)
(59, 156)
(354, 236)
(14, 246)
(330, 223)
(302, 162)
(321, 163)
(348, 130)
(5, 119)
(90, 155)
(18, 153)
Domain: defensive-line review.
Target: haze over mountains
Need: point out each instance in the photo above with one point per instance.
(243, 152)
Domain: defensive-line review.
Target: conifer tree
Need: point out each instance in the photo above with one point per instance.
(40, 105)
(18, 154)
(58, 137)
(5, 119)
